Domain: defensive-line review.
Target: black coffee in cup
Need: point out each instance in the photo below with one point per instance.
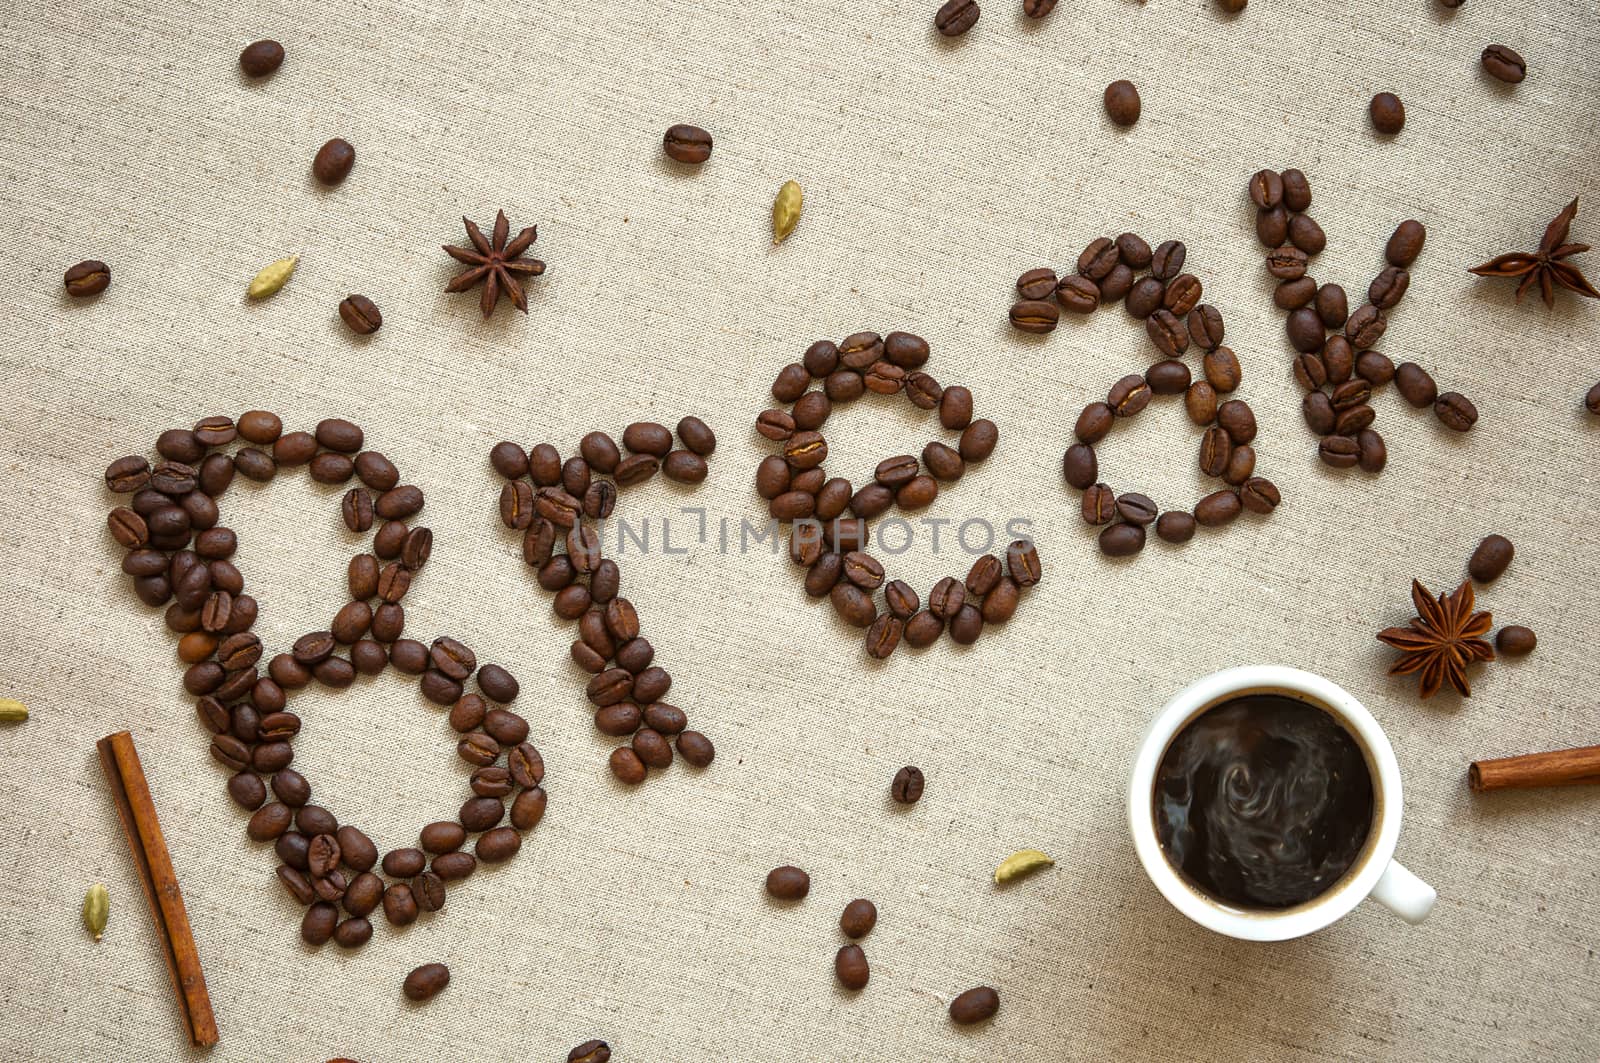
(1263, 801)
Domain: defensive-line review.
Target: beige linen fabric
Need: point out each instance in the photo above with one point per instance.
(934, 173)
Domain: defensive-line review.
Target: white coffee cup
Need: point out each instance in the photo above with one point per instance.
(1374, 873)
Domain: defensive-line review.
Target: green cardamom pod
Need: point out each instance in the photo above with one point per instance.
(786, 211)
(12, 711)
(96, 909)
(272, 277)
(1022, 862)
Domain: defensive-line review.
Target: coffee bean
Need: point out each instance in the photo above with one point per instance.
(1144, 298)
(575, 477)
(1376, 369)
(1200, 402)
(1455, 411)
(290, 787)
(923, 629)
(1078, 294)
(1292, 295)
(1034, 315)
(906, 350)
(429, 891)
(127, 475)
(364, 894)
(1238, 420)
(1350, 394)
(1415, 385)
(1388, 113)
(1241, 466)
(850, 967)
(626, 766)
(687, 144)
(1266, 189)
(1079, 466)
(1216, 450)
(1340, 452)
(128, 528)
(180, 445)
(1272, 226)
(1515, 640)
(1296, 190)
(1305, 329)
(90, 277)
(388, 621)
(788, 883)
(1099, 505)
(1168, 377)
(978, 441)
(1259, 495)
(1182, 294)
(528, 808)
(269, 821)
(1128, 396)
(1204, 325)
(1168, 333)
(590, 1052)
(261, 58)
(1286, 263)
(618, 720)
(1405, 244)
(967, 625)
(255, 464)
(453, 867)
(1122, 540)
(352, 933)
(975, 1005)
(1491, 558)
(944, 462)
(858, 918)
(1037, 284)
(1175, 526)
(480, 813)
(1371, 454)
(947, 597)
(1135, 508)
(1503, 64)
(298, 885)
(1388, 287)
(956, 17)
(1217, 508)
(1339, 359)
(333, 161)
(356, 509)
(291, 848)
(360, 314)
(509, 460)
(1365, 327)
(316, 928)
(884, 635)
(398, 503)
(696, 748)
(426, 981)
(1122, 103)
(854, 606)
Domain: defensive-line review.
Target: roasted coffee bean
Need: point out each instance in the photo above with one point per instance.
(261, 58)
(1200, 402)
(319, 922)
(128, 528)
(575, 477)
(1415, 385)
(1037, 284)
(850, 967)
(1286, 263)
(1455, 411)
(1216, 449)
(821, 577)
(1133, 508)
(259, 426)
(352, 933)
(388, 621)
(1491, 558)
(360, 314)
(1129, 395)
(1094, 422)
(1122, 540)
(1122, 103)
(1266, 189)
(668, 719)
(1292, 295)
(1405, 244)
(153, 590)
(509, 460)
(686, 144)
(956, 17)
(652, 748)
(955, 407)
(812, 411)
(398, 503)
(330, 887)
(772, 477)
(627, 767)
(1217, 508)
(1388, 287)
(594, 1051)
(1099, 505)
(314, 647)
(1371, 453)
(481, 813)
(788, 883)
(291, 848)
(443, 836)
(698, 436)
(966, 627)
(180, 445)
(1353, 420)
(1388, 113)
(1318, 410)
(506, 727)
(528, 808)
(647, 437)
(255, 464)
(498, 844)
(1032, 315)
(975, 1005)
(600, 452)
(1339, 359)
(1503, 64)
(858, 918)
(883, 636)
(978, 441)
(1222, 370)
(1296, 190)
(906, 350)
(428, 889)
(622, 620)
(1365, 327)
(216, 543)
(1238, 420)
(478, 749)
(1182, 294)
(269, 822)
(1341, 452)
(618, 720)
(610, 687)
(399, 904)
(1116, 285)
(896, 471)
(1351, 393)
(1259, 495)
(1133, 250)
(1272, 226)
(946, 598)
(364, 894)
(294, 448)
(1515, 640)
(636, 655)
(1333, 307)
(982, 577)
(388, 540)
(357, 509)
(1168, 377)
(1099, 258)
(918, 494)
(290, 787)
(298, 885)
(1078, 294)
(288, 672)
(863, 570)
(273, 727)
(1241, 466)
(1168, 333)
(1305, 330)
(854, 606)
(944, 462)
(1175, 526)
(215, 474)
(467, 713)
(127, 475)
(1080, 467)
(333, 161)
(923, 629)
(860, 350)
(1144, 298)
(1205, 327)
(324, 855)
(805, 450)
(200, 510)
(844, 385)
(374, 470)
(313, 820)
(1022, 563)
(1376, 369)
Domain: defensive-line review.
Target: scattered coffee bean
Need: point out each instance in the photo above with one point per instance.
(1455, 411)
(1514, 640)
(1122, 103)
(956, 17)
(858, 918)
(687, 144)
(333, 162)
(1503, 64)
(788, 883)
(907, 785)
(850, 966)
(1491, 558)
(1388, 113)
(90, 277)
(261, 58)
(361, 315)
(975, 1005)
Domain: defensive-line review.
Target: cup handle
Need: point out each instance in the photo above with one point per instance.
(1404, 894)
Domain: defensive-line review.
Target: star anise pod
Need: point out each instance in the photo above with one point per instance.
(1442, 640)
(1545, 266)
(495, 264)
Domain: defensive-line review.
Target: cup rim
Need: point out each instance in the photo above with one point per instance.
(1263, 925)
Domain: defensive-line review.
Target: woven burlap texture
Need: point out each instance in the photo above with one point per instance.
(935, 171)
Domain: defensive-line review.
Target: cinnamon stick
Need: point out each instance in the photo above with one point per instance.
(120, 762)
(1560, 767)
